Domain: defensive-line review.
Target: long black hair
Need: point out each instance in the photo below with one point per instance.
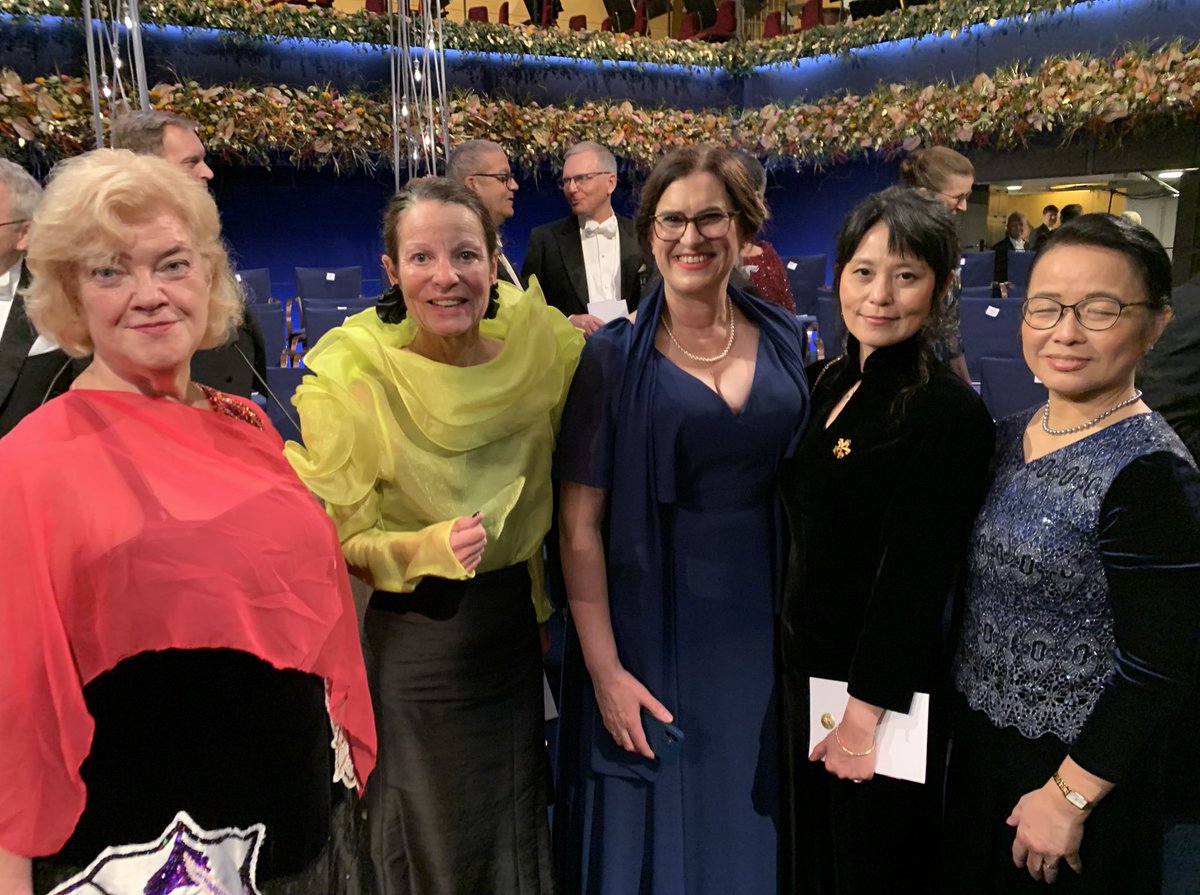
(919, 227)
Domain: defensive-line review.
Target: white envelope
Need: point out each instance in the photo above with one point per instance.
(900, 740)
(608, 310)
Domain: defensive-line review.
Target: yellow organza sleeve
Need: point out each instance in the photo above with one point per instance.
(342, 461)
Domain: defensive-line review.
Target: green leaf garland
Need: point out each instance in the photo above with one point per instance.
(319, 127)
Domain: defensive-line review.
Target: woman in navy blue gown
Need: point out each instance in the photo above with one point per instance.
(671, 439)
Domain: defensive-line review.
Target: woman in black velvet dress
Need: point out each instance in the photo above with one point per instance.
(880, 496)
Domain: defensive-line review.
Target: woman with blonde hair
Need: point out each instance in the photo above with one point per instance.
(181, 671)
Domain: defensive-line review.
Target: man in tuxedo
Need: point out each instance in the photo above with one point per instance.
(483, 168)
(591, 255)
(32, 368)
(239, 367)
(1042, 233)
(1015, 240)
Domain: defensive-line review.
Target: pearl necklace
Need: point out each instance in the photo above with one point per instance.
(1137, 394)
(696, 357)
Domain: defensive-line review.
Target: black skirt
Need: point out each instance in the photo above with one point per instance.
(457, 803)
(991, 768)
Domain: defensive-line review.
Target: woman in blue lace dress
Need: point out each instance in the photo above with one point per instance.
(1082, 618)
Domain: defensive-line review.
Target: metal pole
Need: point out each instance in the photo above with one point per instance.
(134, 25)
(93, 74)
(393, 37)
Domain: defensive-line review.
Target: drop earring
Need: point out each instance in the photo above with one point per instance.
(493, 307)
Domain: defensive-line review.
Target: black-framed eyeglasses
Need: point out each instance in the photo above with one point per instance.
(504, 177)
(1097, 313)
(16, 221)
(580, 179)
(671, 225)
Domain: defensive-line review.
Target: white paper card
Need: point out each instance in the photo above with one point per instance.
(792, 265)
(992, 311)
(900, 740)
(549, 709)
(330, 276)
(608, 310)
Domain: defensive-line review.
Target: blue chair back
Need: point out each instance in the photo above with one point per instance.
(283, 382)
(332, 283)
(830, 327)
(256, 283)
(1007, 386)
(270, 319)
(990, 328)
(975, 292)
(320, 320)
(977, 268)
(1019, 264)
(805, 275)
(350, 306)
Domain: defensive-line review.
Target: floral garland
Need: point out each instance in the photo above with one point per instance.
(319, 127)
(253, 20)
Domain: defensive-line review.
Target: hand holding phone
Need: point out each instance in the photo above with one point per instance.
(664, 739)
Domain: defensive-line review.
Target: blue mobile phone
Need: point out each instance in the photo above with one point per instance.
(664, 738)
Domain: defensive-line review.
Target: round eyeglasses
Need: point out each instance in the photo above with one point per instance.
(503, 177)
(671, 225)
(578, 180)
(1096, 313)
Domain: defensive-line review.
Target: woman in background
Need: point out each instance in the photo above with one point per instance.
(949, 177)
(428, 431)
(880, 495)
(1082, 624)
(759, 258)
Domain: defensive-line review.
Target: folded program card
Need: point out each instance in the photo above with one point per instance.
(608, 310)
(901, 740)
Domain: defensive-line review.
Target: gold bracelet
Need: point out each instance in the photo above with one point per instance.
(842, 746)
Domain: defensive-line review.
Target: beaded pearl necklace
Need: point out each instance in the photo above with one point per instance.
(715, 357)
(1046, 416)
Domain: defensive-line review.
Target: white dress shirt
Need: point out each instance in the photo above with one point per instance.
(9, 281)
(601, 258)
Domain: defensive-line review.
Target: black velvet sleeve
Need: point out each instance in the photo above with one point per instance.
(1150, 546)
(928, 520)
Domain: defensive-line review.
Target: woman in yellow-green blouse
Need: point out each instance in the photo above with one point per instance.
(428, 432)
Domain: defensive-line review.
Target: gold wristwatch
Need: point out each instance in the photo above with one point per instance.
(1076, 799)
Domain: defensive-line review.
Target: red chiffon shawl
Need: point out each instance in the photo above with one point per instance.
(131, 524)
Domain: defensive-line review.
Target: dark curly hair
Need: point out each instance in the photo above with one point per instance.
(919, 227)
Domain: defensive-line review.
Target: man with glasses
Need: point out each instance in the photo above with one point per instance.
(483, 168)
(32, 368)
(592, 255)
